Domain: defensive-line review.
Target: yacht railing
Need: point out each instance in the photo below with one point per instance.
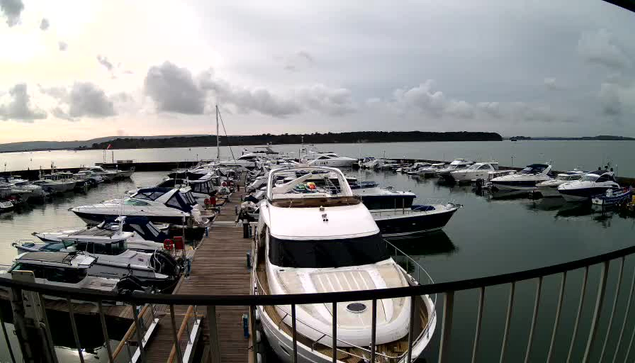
(588, 342)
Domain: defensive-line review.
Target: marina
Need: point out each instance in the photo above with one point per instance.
(220, 260)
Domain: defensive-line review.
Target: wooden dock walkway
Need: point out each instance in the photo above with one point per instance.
(219, 267)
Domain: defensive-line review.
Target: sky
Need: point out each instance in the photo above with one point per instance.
(74, 70)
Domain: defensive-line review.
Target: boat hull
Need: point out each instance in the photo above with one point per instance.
(282, 343)
(526, 185)
(94, 218)
(393, 223)
(549, 191)
(373, 202)
(582, 194)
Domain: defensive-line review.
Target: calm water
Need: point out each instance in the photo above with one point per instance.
(486, 237)
(563, 154)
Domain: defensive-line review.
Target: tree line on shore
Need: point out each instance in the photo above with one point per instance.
(314, 138)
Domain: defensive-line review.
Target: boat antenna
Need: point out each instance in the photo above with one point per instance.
(226, 136)
(217, 135)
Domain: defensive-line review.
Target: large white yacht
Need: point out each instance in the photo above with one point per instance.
(590, 185)
(159, 205)
(524, 180)
(549, 188)
(474, 172)
(332, 160)
(456, 164)
(315, 236)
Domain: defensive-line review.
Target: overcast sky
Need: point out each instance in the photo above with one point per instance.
(82, 69)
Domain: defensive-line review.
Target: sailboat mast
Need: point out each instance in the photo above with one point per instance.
(217, 136)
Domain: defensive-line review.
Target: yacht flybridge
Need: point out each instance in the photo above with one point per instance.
(315, 236)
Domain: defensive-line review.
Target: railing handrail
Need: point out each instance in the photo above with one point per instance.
(288, 299)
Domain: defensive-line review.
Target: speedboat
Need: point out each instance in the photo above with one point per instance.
(159, 205)
(332, 160)
(590, 185)
(416, 167)
(400, 222)
(91, 178)
(316, 239)
(456, 164)
(474, 172)
(431, 171)
(6, 206)
(63, 270)
(375, 197)
(549, 188)
(613, 197)
(107, 175)
(201, 188)
(113, 260)
(138, 233)
(56, 183)
(525, 180)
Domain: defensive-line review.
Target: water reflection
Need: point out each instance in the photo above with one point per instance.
(428, 244)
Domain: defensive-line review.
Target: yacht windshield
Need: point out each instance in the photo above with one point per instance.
(590, 177)
(534, 169)
(327, 253)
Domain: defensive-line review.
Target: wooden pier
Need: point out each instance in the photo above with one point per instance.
(219, 267)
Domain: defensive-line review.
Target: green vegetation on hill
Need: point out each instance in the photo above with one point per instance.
(315, 138)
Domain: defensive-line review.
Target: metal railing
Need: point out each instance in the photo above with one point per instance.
(585, 330)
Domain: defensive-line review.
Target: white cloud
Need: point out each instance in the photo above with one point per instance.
(19, 107)
(617, 100)
(12, 10)
(550, 83)
(44, 24)
(83, 99)
(600, 47)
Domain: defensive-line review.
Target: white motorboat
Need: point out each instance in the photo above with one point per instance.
(332, 160)
(334, 245)
(6, 206)
(60, 269)
(456, 164)
(549, 188)
(90, 176)
(201, 188)
(590, 185)
(56, 183)
(474, 172)
(138, 233)
(431, 171)
(375, 197)
(159, 205)
(401, 222)
(107, 175)
(416, 167)
(525, 180)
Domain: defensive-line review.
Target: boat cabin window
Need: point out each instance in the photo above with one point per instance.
(112, 249)
(605, 178)
(150, 195)
(327, 253)
(534, 169)
(136, 202)
(177, 201)
(484, 167)
(590, 177)
(55, 274)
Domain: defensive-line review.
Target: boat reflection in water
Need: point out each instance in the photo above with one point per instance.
(435, 243)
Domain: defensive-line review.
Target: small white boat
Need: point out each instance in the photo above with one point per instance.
(525, 180)
(612, 197)
(549, 188)
(431, 171)
(474, 172)
(456, 164)
(332, 160)
(6, 206)
(588, 186)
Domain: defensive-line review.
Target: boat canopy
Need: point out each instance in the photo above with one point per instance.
(605, 177)
(534, 169)
(151, 193)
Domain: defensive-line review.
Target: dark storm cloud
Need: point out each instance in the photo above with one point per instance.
(173, 90)
(19, 107)
(87, 99)
(12, 10)
(44, 24)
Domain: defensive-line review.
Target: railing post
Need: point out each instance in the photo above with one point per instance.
(577, 318)
(334, 348)
(626, 315)
(508, 319)
(212, 325)
(19, 321)
(6, 337)
(373, 331)
(557, 317)
(533, 319)
(295, 334)
(597, 311)
(175, 336)
(104, 330)
(71, 314)
(479, 320)
(411, 327)
(617, 297)
(135, 315)
(254, 341)
(446, 328)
